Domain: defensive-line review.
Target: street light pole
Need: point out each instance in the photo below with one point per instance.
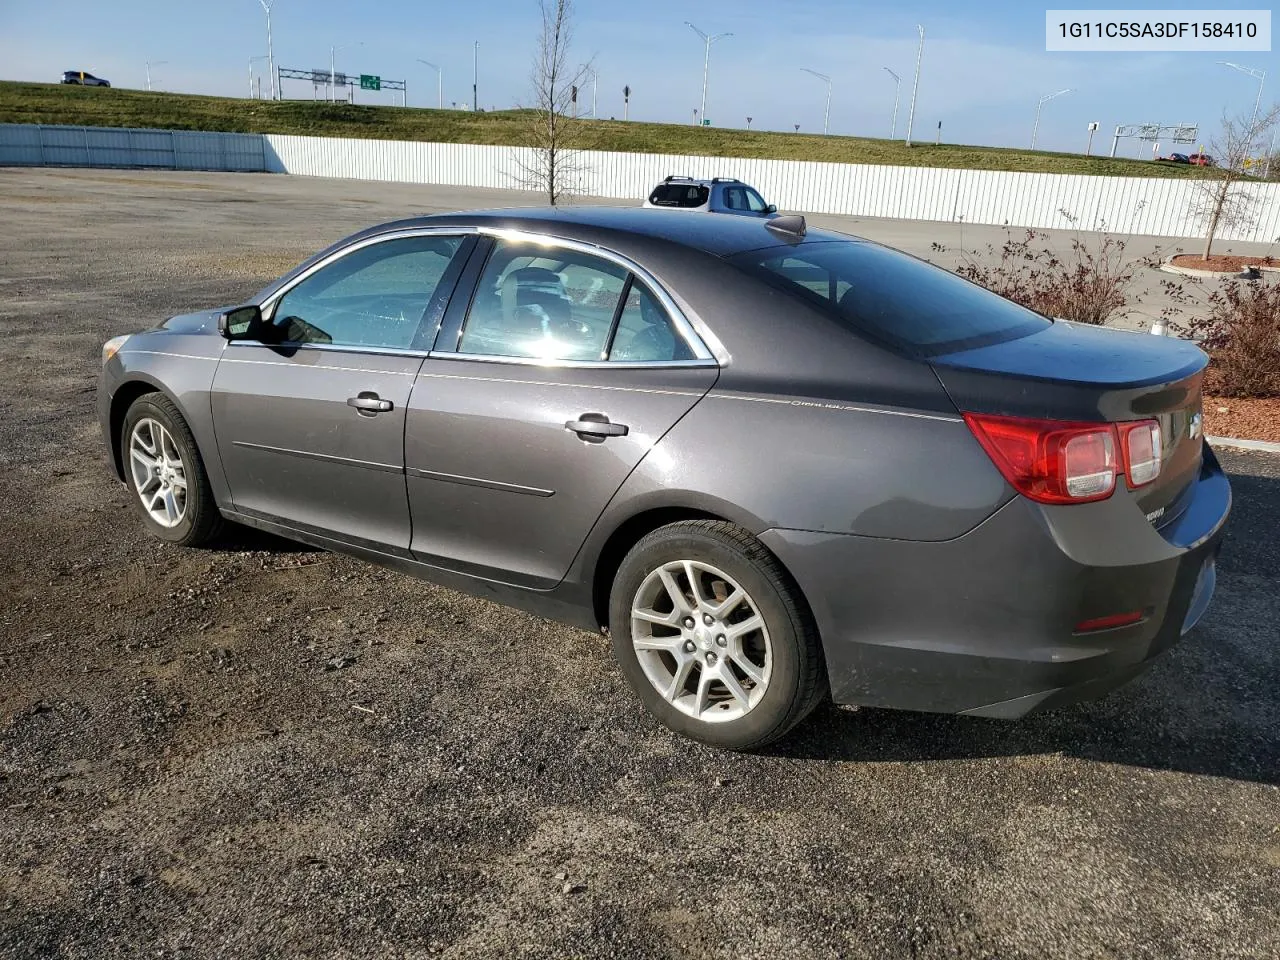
(475, 77)
(271, 63)
(252, 61)
(1261, 77)
(1048, 96)
(826, 115)
(915, 86)
(706, 60)
(439, 83)
(897, 88)
(333, 88)
(150, 64)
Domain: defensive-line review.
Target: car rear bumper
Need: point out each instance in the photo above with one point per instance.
(983, 624)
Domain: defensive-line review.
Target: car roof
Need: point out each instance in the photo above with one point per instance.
(614, 226)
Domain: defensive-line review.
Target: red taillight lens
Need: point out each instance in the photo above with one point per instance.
(1050, 461)
(1140, 442)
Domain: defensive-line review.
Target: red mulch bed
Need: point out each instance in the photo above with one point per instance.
(1242, 419)
(1223, 262)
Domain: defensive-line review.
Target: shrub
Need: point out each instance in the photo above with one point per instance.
(1242, 336)
(1085, 285)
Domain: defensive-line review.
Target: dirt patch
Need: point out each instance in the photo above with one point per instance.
(1224, 262)
(1242, 419)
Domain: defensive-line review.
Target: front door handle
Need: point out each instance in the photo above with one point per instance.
(367, 403)
(596, 426)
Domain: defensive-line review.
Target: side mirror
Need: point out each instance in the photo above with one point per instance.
(771, 208)
(237, 324)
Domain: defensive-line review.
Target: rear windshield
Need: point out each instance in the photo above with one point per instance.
(678, 195)
(893, 297)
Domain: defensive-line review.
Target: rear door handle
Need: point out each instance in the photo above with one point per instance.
(596, 426)
(367, 403)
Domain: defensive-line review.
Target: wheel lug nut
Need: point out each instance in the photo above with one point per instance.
(721, 641)
(688, 622)
(706, 618)
(688, 646)
(711, 658)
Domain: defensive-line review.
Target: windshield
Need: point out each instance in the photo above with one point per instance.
(911, 304)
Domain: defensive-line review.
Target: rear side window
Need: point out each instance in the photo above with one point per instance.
(910, 304)
(679, 195)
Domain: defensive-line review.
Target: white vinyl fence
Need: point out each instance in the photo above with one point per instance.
(1143, 205)
(33, 144)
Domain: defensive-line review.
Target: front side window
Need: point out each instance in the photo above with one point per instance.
(373, 297)
(755, 202)
(891, 296)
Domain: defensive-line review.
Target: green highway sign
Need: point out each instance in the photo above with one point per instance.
(368, 82)
(706, 123)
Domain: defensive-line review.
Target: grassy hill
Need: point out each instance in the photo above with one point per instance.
(93, 106)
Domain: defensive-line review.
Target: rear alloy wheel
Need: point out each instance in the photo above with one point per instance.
(714, 636)
(165, 474)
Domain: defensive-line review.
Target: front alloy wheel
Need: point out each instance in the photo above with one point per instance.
(159, 475)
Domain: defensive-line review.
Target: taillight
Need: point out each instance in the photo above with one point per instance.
(1058, 461)
(1050, 461)
(1142, 451)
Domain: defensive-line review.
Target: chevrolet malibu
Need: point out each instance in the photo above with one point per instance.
(773, 464)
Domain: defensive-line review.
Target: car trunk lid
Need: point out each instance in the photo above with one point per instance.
(1081, 373)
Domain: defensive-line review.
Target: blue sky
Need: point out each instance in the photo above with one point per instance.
(984, 64)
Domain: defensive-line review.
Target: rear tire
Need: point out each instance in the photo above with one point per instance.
(714, 636)
(161, 457)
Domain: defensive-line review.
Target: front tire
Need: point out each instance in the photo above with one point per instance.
(714, 636)
(165, 475)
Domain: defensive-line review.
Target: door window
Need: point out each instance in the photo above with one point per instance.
(645, 333)
(755, 202)
(542, 304)
(373, 297)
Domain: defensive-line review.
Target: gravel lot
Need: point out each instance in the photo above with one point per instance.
(261, 750)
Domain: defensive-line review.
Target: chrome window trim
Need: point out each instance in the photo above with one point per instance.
(337, 348)
(705, 346)
(574, 364)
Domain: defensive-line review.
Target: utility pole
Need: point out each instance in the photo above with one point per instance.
(915, 86)
(271, 63)
(439, 83)
(626, 102)
(826, 115)
(897, 88)
(706, 60)
(748, 123)
(1041, 103)
(252, 61)
(475, 76)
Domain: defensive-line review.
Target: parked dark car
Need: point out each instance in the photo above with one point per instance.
(772, 463)
(83, 78)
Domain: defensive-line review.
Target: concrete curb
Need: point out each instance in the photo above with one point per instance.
(1265, 446)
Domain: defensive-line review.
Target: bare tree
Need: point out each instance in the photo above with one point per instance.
(553, 168)
(1221, 201)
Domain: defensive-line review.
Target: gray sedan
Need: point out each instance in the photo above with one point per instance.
(774, 464)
